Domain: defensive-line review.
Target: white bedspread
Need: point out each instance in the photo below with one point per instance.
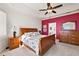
(32, 40)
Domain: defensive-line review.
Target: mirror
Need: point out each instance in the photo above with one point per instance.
(69, 26)
(44, 28)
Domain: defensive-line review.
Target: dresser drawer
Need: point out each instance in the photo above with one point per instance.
(11, 46)
(76, 36)
(16, 41)
(70, 36)
(13, 43)
(75, 42)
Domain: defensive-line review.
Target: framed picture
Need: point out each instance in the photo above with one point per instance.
(69, 26)
(44, 28)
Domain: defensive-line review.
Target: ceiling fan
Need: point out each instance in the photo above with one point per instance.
(50, 8)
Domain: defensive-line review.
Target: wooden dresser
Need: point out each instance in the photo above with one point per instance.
(13, 42)
(70, 36)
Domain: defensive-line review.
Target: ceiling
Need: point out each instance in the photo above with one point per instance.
(32, 8)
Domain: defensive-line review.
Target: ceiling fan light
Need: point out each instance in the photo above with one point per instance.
(49, 10)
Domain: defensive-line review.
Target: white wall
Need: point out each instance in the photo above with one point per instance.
(19, 19)
(3, 33)
(15, 18)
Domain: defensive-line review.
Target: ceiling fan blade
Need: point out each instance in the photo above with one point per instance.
(57, 6)
(45, 13)
(53, 11)
(49, 6)
(43, 10)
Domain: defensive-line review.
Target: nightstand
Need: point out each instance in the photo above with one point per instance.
(13, 42)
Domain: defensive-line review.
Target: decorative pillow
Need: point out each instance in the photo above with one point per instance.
(27, 34)
(32, 34)
(36, 33)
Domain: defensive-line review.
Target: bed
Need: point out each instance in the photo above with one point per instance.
(41, 42)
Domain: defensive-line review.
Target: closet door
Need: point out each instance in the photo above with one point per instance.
(3, 33)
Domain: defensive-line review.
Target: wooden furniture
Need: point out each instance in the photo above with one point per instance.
(25, 30)
(45, 42)
(13, 42)
(70, 36)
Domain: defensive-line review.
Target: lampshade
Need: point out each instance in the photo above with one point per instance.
(14, 28)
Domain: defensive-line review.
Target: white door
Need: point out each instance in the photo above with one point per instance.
(52, 28)
(3, 33)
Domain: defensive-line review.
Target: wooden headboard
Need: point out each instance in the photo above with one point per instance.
(25, 30)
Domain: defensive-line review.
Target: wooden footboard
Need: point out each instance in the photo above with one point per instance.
(46, 43)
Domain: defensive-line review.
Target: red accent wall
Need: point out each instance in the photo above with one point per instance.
(59, 21)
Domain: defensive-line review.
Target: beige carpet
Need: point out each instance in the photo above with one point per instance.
(60, 49)
(21, 51)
